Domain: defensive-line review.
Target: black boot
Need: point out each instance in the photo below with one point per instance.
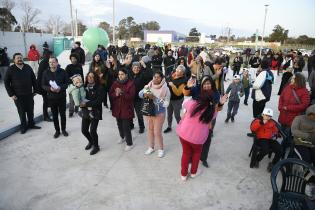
(205, 163)
(232, 118)
(57, 134)
(88, 146)
(95, 150)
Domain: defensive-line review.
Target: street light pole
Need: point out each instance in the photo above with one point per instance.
(113, 21)
(72, 26)
(263, 32)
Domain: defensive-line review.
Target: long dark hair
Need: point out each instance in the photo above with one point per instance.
(96, 79)
(206, 105)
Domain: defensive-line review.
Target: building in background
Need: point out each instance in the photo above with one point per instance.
(162, 36)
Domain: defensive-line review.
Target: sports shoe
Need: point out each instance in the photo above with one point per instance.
(128, 148)
(160, 153)
(121, 140)
(149, 151)
(184, 178)
(196, 174)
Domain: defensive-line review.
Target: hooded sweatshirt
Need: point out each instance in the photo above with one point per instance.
(303, 129)
(33, 54)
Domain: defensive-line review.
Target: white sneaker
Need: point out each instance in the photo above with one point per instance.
(128, 148)
(121, 140)
(196, 174)
(160, 153)
(184, 178)
(149, 151)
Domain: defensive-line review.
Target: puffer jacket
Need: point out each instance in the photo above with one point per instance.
(293, 107)
(264, 131)
(33, 54)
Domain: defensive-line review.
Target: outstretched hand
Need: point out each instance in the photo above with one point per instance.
(224, 98)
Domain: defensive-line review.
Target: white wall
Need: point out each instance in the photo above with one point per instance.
(15, 41)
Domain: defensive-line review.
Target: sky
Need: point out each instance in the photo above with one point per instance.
(244, 17)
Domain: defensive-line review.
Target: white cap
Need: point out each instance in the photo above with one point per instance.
(268, 111)
(236, 77)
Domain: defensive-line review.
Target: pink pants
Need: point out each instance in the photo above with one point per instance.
(155, 125)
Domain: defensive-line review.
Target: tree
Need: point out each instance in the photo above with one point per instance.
(104, 25)
(8, 4)
(54, 24)
(151, 25)
(81, 28)
(279, 34)
(194, 32)
(7, 20)
(30, 17)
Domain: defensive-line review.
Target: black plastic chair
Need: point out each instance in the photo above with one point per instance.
(290, 195)
(255, 149)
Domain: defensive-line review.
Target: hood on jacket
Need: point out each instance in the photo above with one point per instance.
(310, 110)
(33, 46)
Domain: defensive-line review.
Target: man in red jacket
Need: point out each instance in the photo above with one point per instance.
(266, 131)
(33, 57)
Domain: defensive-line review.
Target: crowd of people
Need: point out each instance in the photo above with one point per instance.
(154, 83)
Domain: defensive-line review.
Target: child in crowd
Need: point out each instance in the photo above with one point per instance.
(246, 81)
(76, 89)
(266, 132)
(236, 91)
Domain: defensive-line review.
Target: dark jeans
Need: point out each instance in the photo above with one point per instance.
(25, 106)
(266, 145)
(137, 106)
(232, 108)
(72, 107)
(105, 98)
(307, 153)
(236, 71)
(125, 130)
(246, 91)
(287, 142)
(174, 107)
(258, 108)
(45, 106)
(58, 106)
(89, 130)
(206, 147)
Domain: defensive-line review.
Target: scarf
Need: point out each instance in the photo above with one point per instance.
(159, 90)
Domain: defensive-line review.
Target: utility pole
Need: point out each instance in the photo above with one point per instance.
(256, 39)
(76, 23)
(72, 27)
(263, 32)
(113, 22)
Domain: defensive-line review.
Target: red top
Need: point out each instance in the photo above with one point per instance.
(33, 54)
(264, 131)
(122, 107)
(293, 107)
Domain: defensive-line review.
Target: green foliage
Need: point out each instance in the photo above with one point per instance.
(279, 34)
(194, 32)
(7, 20)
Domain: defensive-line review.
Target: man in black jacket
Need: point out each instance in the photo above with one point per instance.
(55, 82)
(20, 83)
(79, 51)
(169, 63)
(73, 69)
(43, 66)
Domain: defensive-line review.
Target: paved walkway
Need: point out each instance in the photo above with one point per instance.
(40, 172)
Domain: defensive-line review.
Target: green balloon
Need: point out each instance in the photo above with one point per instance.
(94, 36)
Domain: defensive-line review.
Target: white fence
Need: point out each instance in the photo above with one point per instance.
(21, 42)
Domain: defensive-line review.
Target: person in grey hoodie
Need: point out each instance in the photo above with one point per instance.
(303, 131)
(237, 91)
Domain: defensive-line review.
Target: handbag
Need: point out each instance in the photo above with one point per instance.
(148, 107)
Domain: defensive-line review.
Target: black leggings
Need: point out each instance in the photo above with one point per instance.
(89, 130)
